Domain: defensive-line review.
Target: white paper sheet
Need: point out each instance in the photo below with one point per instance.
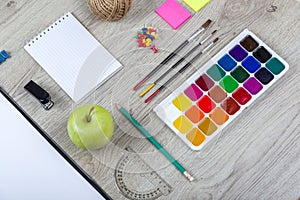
(72, 57)
(30, 168)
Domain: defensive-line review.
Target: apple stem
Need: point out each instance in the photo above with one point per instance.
(89, 117)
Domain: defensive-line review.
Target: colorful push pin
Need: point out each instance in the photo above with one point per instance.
(152, 31)
(150, 37)
(3, 56)
(144, 30)
(146, 36)
(154, 49)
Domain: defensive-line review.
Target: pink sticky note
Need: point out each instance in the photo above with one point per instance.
(173, 13)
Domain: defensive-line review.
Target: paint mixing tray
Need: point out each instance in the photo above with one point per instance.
(219, 91)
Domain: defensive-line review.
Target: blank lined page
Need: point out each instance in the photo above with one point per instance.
(64, 49)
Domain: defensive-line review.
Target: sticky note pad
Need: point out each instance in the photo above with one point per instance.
(173, 13)
(196, 5)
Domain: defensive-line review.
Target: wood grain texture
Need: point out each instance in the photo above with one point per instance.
(255, 157)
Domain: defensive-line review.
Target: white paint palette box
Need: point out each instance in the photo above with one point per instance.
(219, 91)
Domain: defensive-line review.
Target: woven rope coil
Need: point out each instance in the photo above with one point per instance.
(109, 10)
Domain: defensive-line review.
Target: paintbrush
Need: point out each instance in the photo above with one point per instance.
(181, 70)
(176, 64)
(176, 51)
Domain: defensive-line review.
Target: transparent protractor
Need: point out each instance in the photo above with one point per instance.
(145, 185)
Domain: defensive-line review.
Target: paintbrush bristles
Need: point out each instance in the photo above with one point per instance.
(214, 32)
(206, 24)
(215, 40)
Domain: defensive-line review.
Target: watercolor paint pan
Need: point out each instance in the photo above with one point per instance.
(219, 91)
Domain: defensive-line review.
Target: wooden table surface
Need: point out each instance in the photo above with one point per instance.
(255, 157)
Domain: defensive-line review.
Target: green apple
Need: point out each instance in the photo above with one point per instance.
(90, 127)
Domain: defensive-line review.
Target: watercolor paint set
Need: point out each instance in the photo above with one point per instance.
(219, 91)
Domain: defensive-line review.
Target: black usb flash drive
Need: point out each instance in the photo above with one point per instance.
(40, 94)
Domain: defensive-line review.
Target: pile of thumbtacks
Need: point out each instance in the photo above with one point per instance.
(146, 36)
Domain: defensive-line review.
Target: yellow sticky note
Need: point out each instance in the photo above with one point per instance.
(196, 5)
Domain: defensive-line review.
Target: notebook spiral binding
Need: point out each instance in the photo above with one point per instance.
(49, 28)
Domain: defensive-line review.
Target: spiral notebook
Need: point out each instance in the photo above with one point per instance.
(72, 57)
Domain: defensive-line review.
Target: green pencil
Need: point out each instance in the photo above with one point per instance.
(155, 142)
